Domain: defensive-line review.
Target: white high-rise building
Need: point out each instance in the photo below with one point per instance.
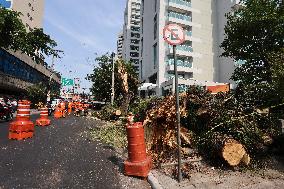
(132, 33)
(198, 58)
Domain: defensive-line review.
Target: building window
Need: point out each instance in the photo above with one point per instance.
(155, 55)
(134, 54)
(134, 61)
(134, 41)
(136, 35)
(134, 48)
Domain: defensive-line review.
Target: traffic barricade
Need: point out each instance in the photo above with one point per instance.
(57, 113)
(43, 120)
(138, 162)
(22, 127)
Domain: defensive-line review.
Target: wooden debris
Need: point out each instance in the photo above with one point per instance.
(233, 152)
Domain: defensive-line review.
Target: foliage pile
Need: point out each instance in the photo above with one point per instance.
(140, 106)
(161, 131)
(111, 134)
(107, 113)
(207, 122)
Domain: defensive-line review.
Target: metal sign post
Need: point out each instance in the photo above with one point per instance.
(174, 35)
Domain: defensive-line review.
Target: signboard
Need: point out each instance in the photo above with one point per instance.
(67, 82)
(174, 34)
(77, 83)
(218, 88)
(6, 4)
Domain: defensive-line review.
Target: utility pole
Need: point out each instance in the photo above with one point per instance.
(112, 81)
(50, 79)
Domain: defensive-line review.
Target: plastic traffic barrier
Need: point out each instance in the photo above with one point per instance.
(43, 120)
(22, 127)
(138, 162)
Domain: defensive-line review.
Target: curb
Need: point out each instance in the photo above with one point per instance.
(153, 181)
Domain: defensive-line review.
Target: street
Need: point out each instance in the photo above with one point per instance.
(58, 156)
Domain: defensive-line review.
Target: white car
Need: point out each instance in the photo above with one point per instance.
(54, 103)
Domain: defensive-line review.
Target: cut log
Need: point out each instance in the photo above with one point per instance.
(117, 112)
(233, 152)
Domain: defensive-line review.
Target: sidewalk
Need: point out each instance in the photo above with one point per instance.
(220, 179)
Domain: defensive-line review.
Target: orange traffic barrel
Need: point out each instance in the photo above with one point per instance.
(57, 113)
(22, 127)
(136, 142)
(43, 120)
(138, 162)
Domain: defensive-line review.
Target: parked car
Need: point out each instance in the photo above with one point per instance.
(6, 112)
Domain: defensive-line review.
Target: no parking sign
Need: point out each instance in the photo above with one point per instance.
(174, 34)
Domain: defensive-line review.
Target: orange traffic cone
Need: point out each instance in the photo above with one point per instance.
(43, 120)
(22, 127)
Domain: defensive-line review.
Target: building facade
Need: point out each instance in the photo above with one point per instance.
(132, 33)
(198, 58)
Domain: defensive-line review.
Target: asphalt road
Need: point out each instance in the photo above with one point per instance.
(58, 156)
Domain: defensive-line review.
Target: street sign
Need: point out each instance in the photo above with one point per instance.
(174, 34)
(67, 82)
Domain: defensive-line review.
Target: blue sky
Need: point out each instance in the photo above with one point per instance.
(82, 28)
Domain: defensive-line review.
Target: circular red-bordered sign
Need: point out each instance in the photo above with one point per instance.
(174, 34)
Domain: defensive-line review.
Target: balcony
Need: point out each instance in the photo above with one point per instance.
(183, 51)
(182, 66)
(183, 19)
(179, 5)
(185, 48)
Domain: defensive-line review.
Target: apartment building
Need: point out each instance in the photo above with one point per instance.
(132, 33)
(198, 58)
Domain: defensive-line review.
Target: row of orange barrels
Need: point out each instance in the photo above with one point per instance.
(22, 127)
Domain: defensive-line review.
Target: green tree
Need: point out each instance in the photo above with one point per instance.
(37, 93)
(14, 36)
(12, 30)
(102, 78)
(254, 33)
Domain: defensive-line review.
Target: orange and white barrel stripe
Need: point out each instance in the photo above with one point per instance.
(44, 112)
(23, 111)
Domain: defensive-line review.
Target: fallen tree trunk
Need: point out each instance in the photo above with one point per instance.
(232, 151)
